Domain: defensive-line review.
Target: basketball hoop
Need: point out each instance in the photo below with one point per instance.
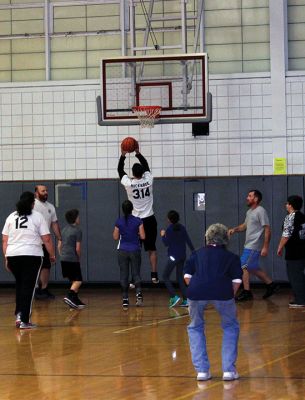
(148, 115)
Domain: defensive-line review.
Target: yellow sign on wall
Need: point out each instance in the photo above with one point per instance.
(279, 166)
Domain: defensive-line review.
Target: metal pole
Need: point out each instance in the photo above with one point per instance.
(132, 27)
(184, 90)
(123, 20)
(183, 26)
(47, 39)
(132, 66)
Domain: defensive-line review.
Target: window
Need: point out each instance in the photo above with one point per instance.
(296, 34)
(237, 35)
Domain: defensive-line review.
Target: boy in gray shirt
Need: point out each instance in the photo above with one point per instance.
(257, 241)
(70, 250)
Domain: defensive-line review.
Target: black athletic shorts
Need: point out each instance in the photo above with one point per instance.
(150, 228)
(46, 263)
(71, 270)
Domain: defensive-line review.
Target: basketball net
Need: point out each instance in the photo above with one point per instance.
(148, 115)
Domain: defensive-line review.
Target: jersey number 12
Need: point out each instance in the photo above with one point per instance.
(21, 222)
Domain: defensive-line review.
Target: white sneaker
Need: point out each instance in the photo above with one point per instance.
(18, 320)
(27, 325)
(230, 376)
(203, 376)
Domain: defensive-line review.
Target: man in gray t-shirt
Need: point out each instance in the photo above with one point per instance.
(257, 241)
(257, 229)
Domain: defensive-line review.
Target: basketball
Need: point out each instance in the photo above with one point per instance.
(129, 144)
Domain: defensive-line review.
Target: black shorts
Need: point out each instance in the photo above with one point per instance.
(46, 263)
(150, 228)
(71, 270)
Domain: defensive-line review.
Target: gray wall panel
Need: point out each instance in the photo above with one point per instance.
(222, 205)
(103, 206)
(295, 185)
(279, 190)
(195, 220)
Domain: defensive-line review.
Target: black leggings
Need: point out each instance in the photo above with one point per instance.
(26, 272)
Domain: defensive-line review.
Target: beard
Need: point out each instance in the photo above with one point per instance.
(43, 197)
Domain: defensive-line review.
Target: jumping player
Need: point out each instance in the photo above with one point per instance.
(139, 190)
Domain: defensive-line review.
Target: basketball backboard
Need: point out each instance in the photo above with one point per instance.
(178, 83)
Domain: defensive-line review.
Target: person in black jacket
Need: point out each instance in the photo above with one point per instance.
(293, 239)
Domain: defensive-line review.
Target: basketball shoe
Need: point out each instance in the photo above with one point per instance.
(245, 295)
(154, 277)
(173, 301)
(203, 376)
(79, 303)
(18, 320)
(139, 299)
(27, 325)
(293, 304)
(230, 376)
(125, 304)
(184, 303)
(271, 289)
(71, 299)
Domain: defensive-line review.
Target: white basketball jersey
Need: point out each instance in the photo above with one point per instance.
(24, 234)
(140, 193)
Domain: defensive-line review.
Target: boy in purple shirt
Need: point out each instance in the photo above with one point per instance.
(175, 238)
(129, 230)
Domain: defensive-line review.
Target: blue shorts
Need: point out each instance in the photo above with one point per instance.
(250, 259)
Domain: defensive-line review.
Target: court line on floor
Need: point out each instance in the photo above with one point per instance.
(150, 324)
(249, 371)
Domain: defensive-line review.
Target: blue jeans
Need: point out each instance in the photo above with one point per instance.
(230, 327)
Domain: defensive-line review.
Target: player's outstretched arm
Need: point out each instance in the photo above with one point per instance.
(121, 164)
(143, 161)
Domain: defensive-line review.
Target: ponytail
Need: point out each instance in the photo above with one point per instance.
(127, 208)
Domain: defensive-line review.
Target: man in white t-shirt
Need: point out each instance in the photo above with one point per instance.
(48, 211)
(139, 190)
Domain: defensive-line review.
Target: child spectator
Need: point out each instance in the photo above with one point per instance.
(175, 238)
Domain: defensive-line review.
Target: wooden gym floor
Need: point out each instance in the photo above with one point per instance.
(103, 352)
